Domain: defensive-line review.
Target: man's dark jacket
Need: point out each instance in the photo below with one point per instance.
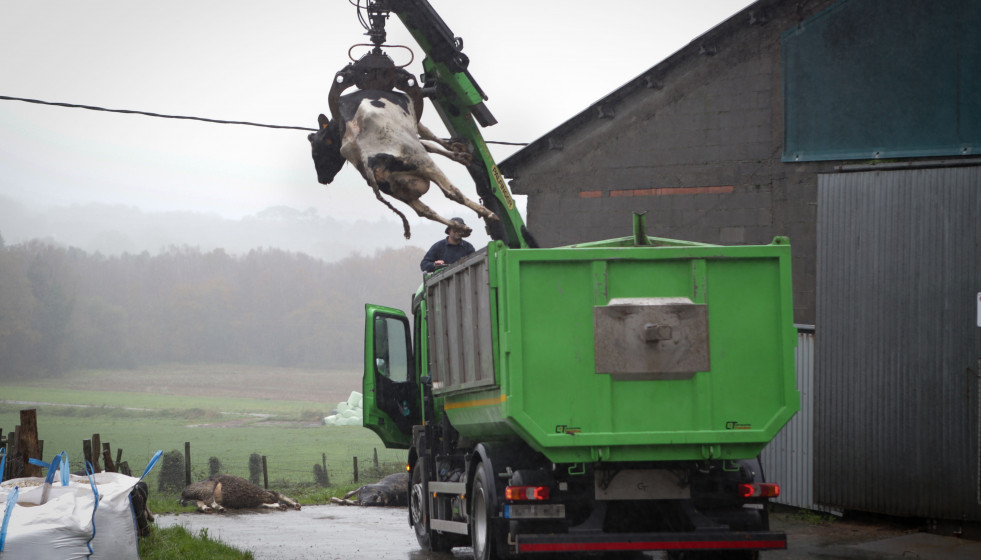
(445, 251)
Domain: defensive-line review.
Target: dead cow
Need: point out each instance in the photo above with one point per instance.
(393, 490)
(222, 491)
(379, 132)
(138, 497)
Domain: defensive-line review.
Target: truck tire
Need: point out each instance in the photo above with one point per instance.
(419, 511)
(484, 539)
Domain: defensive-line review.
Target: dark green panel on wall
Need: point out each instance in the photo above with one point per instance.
(871, 79)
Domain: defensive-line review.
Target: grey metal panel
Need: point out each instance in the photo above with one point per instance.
(460, 337)
(897, 383)
(789, 459)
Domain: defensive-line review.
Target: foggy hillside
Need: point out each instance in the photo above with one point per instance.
(62, 309)
(116, 230)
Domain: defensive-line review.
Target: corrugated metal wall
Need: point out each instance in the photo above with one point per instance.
(789, 459)
(897, 385)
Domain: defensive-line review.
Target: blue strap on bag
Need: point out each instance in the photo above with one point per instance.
(89, 471)
(64, 469)
(152, 463)
(11, 502)
(50, 466)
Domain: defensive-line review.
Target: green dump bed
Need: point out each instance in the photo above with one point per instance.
(616, 352)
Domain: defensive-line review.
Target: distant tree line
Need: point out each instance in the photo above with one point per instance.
(63, 309)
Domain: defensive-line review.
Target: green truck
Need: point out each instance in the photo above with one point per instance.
(600, 397)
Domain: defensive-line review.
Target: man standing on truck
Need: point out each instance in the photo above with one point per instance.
(447, 251)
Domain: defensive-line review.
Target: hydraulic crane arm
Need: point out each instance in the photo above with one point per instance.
(460, 104)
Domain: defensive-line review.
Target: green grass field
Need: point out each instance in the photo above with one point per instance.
(228, 412)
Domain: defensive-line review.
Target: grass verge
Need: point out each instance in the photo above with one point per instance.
(178, 542)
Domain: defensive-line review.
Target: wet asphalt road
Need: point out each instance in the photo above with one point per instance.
(344, 532)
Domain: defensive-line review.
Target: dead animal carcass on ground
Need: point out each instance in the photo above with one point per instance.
(222, 491)
(380, 134)
(393, 490)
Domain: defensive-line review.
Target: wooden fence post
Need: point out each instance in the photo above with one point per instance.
(86, 452)
(323, 459)
(187, 463)
(355, 468)
(107, 457)
(96, 452)
(265, 474)
(15, 462)
(28, 441)
(12, 454)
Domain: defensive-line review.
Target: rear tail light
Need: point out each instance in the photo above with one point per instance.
(526, 493)
(759, 490)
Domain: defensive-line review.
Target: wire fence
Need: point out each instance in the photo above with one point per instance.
(290, 460)
(362, 466)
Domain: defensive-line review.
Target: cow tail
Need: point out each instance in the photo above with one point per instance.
(405, 223)
(374, 186)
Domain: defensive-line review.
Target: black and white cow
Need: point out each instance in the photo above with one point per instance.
(379, 132)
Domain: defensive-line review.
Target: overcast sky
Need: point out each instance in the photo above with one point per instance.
(539, 61)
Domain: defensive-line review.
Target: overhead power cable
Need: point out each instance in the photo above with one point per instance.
(184, 117)
(148, 114)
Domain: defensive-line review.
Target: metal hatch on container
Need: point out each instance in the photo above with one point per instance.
(651, 338)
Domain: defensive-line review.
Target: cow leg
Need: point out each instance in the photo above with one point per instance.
(205, 508)
(435, 147)
(216, 498)
(286, 503)
(425, 212)
(453, 150)
(454, 194)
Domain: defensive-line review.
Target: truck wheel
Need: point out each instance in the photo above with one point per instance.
(419, 510)
(483, 538)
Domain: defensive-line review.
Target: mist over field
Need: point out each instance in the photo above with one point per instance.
(93, 287)
(114, 230)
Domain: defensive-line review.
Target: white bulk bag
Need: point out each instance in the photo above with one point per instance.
(354, 401)
(56, 528)
(60, 528)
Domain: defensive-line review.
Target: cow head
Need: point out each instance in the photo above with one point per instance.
(326, 147)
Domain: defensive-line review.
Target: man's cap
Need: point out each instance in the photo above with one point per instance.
(461, 222)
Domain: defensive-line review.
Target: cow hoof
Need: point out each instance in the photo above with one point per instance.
(462, 157)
